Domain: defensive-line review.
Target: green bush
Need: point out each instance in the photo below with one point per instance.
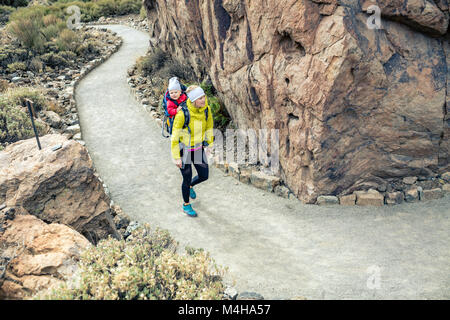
(152, 62)
(10, 54)
(28, 32)
(54, 60)
(143, 13)
(67, 40)
(88, 47)
(16, 66)
(146, 267)
(15, 124)
(174, 69)
(36, 65)
(16, 96)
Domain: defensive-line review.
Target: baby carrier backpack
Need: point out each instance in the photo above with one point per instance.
(168, 122)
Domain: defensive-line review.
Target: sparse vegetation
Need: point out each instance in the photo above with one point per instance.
(146, 267)
(15, 124)
(40, 31)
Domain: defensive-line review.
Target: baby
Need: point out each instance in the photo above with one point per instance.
(175, 97)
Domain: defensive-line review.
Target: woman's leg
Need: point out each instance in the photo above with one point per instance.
(187, 178)
(186, 172)
(202, 170)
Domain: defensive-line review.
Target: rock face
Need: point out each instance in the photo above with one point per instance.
(41, 255)
(56, 186)
(354, 106)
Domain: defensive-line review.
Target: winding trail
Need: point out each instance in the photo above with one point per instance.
(277, 247)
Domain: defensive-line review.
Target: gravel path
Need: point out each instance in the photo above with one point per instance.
(277, 247)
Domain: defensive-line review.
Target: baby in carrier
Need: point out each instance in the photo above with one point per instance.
(174, 98)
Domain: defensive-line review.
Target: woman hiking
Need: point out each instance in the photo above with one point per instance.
(188, 143)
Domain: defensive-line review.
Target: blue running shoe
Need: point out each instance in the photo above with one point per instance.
(189, 211)
(192, 193)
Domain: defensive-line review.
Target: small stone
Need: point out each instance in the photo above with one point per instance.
(432, 194)
(409, 180)
(231, 293)
(10, 214)
(121, 221)
(348, 200)
(16, 79)
(220, 164)
(77, 136)
(282, 191)
(244, 177)
(412, 195)
(446, 188)
(249, 296)
(327, 200)
(73, 129)
(233, 170)
(396, 197)
(131, 227)
(446, 177)
(292, 196)
(264, 181)
(369, 198)
(3, 206)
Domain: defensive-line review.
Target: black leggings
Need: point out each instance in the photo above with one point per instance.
(198, 159)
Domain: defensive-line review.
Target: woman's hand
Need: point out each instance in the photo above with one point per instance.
(178, 163)
(178, 109)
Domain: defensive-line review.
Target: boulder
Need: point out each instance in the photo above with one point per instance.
(56, 186)
(40, 255)
(327, 200)
(352, 105)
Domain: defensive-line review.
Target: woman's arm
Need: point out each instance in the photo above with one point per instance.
(176, 131)
(209, 134)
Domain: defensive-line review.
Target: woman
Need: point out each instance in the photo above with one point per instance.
(188, 144)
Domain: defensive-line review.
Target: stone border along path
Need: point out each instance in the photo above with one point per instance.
(277, 247)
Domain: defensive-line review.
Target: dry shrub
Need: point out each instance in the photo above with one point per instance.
(67, 40)
(146, 267)
(4, 85)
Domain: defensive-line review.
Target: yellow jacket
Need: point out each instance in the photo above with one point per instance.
(201, 130)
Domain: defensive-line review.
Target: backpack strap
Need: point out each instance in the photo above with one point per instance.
(187, 116)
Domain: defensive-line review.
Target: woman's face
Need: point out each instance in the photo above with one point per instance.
(200, 102)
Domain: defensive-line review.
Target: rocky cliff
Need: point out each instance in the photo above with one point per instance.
(356, 107)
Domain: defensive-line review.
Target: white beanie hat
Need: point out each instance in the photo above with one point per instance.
(196, 94)
(174, 84)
